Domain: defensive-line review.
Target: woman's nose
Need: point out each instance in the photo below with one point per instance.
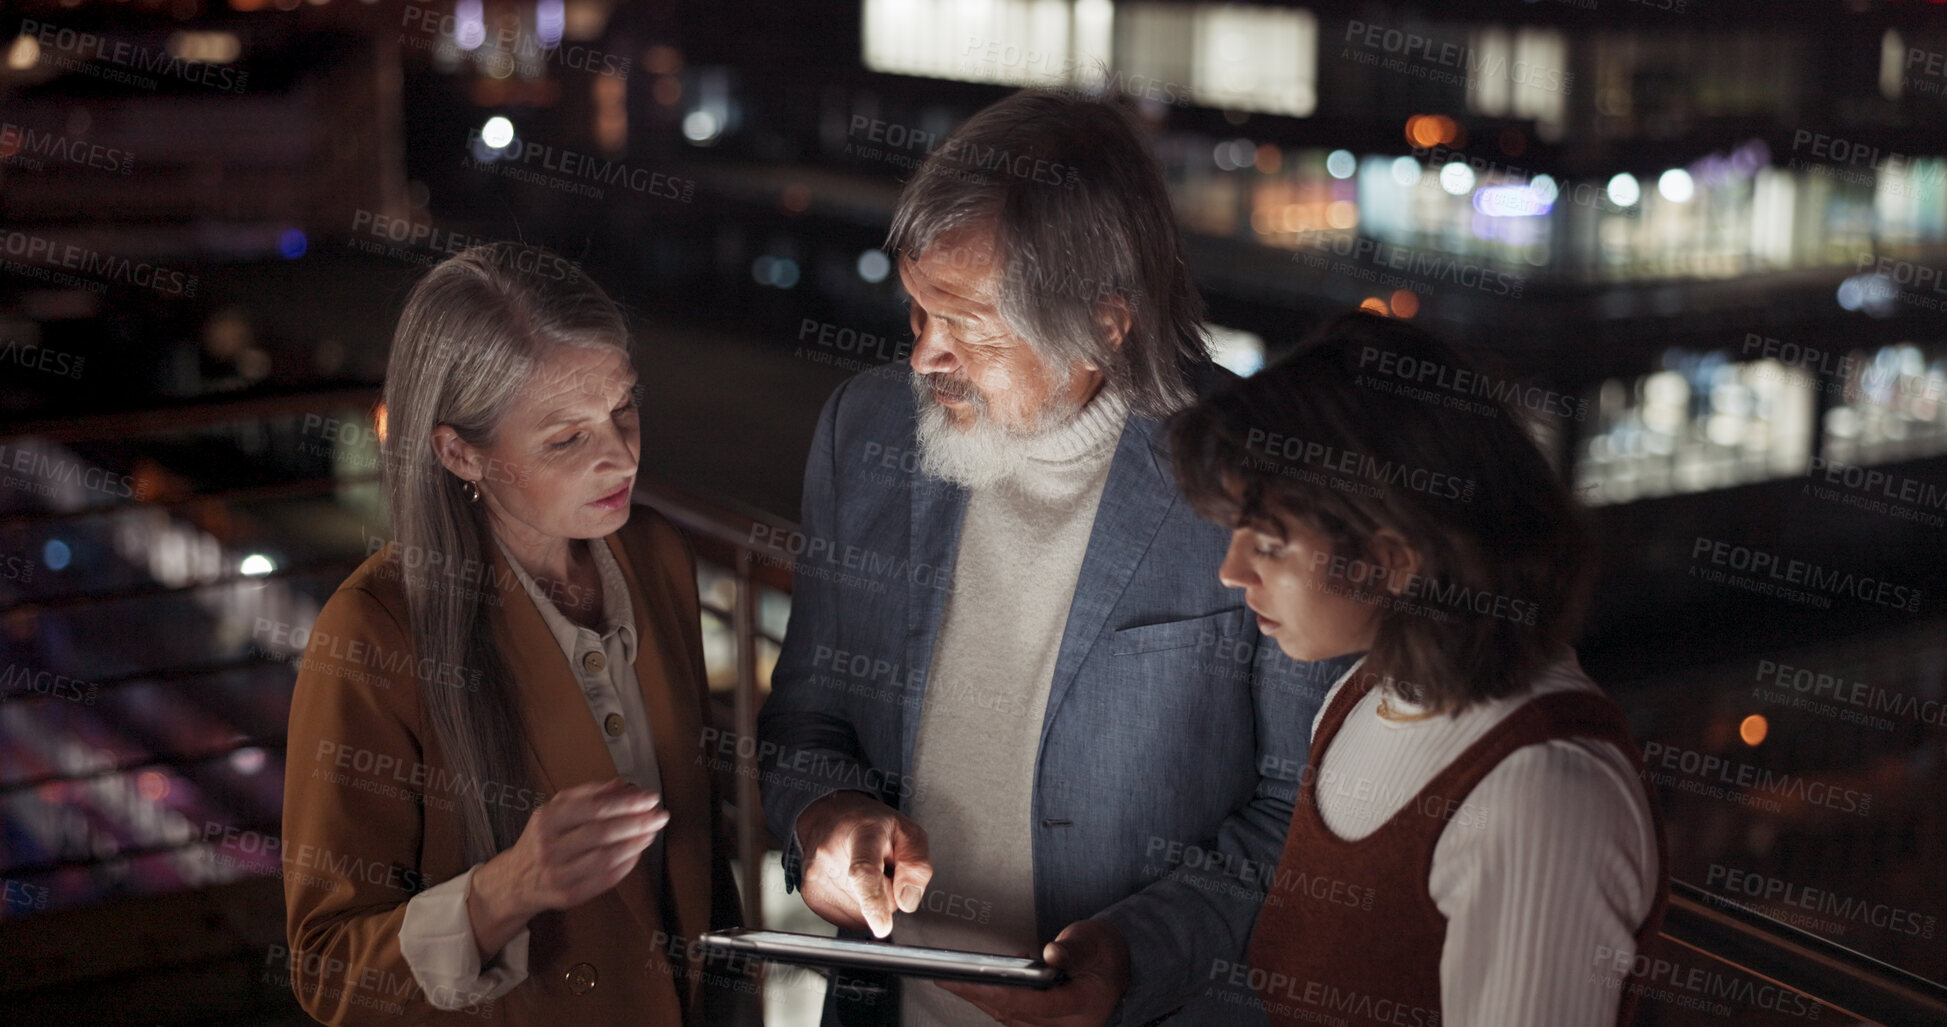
(621, 447)
(1235, 571)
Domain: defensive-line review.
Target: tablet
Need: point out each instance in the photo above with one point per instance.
(904, 960)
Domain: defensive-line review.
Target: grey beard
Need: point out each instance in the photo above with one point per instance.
(984, 453)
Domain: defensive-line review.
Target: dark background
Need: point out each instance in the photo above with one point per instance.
(210, 213)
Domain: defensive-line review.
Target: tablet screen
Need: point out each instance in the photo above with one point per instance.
(906, 960)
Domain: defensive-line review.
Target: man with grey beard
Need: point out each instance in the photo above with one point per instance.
(1015, 710)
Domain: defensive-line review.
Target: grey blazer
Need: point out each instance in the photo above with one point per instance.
(1174, 732)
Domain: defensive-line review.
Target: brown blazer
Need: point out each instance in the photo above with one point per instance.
(370, 816)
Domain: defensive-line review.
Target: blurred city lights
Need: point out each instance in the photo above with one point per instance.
(1624, 191)
(550, 18)
(780, 272)
(1676, 186)
(701, 127)
(497, 132)
(1427, 130)
(23, 54)
(1457, 178)
(469, 24)
(874, 266)
(1510, 201)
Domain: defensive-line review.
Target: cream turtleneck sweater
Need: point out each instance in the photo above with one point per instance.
(1021, 548)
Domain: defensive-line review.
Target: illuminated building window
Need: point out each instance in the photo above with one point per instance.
(1717, 215)
(1255, 59)
(1520, 73)
(1892, 65)
(1910, 201)
(1774, 212)
(1011, 42)
(1233, 56)
(1893, 407)
(1703, 422)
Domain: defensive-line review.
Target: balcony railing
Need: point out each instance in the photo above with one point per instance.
(724, 535)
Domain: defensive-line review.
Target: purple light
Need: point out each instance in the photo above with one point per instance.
(1747, 159)
(550, 19)
(1513, 231)
(1509, 201)
(1713, 170)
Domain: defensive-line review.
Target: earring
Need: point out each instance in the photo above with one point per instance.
(470, 491)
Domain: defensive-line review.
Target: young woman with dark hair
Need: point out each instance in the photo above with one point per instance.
(1472, 802)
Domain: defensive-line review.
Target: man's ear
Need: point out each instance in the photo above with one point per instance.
(1390, 550)
(463, 460)
(1112, 317)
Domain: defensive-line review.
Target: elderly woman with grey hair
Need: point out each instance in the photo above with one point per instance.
(492, 802)
(1057, 746)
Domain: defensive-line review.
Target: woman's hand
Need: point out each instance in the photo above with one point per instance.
(578, 845)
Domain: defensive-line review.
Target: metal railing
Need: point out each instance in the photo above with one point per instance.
(1848, 981)
(719, 531)
(723, 535)
(1851, 982)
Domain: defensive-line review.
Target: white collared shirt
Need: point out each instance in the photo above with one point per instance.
(436, 937)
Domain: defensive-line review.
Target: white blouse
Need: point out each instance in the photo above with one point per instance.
(1545, 871)
(436, 937)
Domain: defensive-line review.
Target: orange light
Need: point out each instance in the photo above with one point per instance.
(1269, 159)
(1424, 130)
(151, 481)
(490, 92)
(1374, 304)
(1405, 303)
(796, 198)
(1753, 729)
(663, 60)
(1421, 132)
(611, 113)
(153, 785)
(378, 422)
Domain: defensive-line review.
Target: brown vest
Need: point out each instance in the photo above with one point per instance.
(1349, 930)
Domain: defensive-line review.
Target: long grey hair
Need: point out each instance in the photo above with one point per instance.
(1081, 219)
(472, 333)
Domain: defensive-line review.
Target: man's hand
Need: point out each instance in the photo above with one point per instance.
(1096, 959)
(862, 860)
